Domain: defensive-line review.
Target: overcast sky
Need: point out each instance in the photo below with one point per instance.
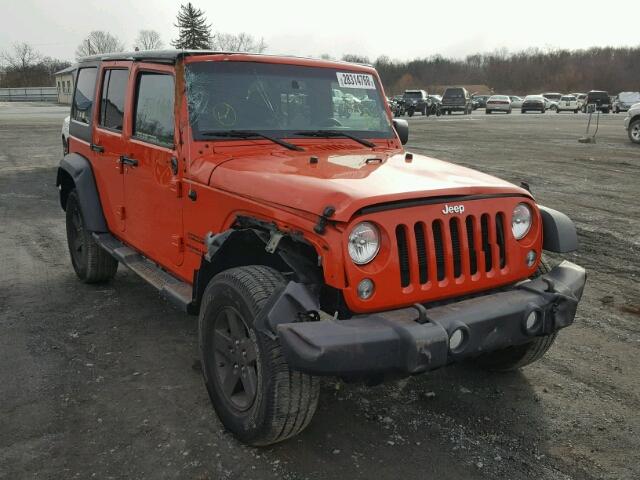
(406, 30)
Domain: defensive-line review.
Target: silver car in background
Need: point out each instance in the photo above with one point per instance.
(498, 103)
(65, 135)
(632, 123)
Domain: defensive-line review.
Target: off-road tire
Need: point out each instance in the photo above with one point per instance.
(284, 401)
(518, 356)
(91, 263)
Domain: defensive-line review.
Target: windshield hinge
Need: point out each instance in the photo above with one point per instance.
(321, 226)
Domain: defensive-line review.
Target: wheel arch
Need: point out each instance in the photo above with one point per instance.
(250, 241)
(75, 172)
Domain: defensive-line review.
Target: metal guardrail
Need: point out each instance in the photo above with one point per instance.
(29, 94)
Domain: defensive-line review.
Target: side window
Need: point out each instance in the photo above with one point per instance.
(83, 98)
(154, 108)
(114, 88)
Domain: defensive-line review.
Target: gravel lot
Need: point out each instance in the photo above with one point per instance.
(102, 381)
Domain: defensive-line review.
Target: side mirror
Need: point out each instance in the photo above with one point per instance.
(402, 129)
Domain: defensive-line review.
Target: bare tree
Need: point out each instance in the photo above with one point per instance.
(148, 40)
(21, 56)
(241, 42)
(97, 42)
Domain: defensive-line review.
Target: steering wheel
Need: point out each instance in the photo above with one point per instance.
(225, 114)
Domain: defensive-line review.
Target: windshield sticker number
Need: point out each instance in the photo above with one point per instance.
(356, 80)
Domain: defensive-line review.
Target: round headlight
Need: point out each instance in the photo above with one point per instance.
(364, 243)
(521, 220)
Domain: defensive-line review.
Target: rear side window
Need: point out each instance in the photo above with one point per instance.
(83, 98)
(114, 88)
(154, 108)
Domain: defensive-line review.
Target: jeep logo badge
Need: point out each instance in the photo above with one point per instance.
(453, 209)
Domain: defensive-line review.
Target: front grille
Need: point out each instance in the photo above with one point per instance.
(441, 250)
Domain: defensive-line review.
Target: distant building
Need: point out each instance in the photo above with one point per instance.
(64, 84)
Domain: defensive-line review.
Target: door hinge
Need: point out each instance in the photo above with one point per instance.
(178, 242)
(176, 186)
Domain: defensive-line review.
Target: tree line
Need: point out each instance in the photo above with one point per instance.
(524, 72)
(23, 66)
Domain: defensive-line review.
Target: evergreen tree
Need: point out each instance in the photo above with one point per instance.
(195, 32)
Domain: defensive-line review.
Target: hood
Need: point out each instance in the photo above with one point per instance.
(349, 181)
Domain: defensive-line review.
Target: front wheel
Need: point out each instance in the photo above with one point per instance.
(253, 391)
(634, 131)
(91, 262)
(517, 356)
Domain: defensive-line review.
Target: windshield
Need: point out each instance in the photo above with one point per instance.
(629, 97)
(281, 100)
(413, 95)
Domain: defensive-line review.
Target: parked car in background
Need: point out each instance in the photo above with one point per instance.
(481, 100)
(65, 135)
(533, 103)
(416, 101)
(581, 97)
(568, 103)
(624, 100)
(632, 123)
(554, 97)
(456, 99)
(551, 104)
(498, 103)
(435, 104)
(600, 99)
(516, 102)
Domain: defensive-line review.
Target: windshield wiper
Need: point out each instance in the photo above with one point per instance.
(336, 133)
(249, 134)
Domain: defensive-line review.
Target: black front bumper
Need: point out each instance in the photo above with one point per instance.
(414, 340)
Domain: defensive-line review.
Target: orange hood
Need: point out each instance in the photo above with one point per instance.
(349, 182)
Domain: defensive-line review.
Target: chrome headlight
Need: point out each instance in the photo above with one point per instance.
(364, 243)
(521, 220)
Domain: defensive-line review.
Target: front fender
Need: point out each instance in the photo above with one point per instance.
(559, 232)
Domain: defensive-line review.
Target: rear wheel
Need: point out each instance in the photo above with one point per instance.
(517, 356)
(91, 263)
(487, 112)
(575, 111)
(253, 391)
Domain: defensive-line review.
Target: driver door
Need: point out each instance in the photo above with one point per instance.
(152, 193)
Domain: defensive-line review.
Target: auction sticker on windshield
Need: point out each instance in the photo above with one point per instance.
(356, 80)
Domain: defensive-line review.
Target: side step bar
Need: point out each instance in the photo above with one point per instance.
(176, 291)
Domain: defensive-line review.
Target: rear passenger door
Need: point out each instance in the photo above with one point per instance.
(109, 141)
(152, 193)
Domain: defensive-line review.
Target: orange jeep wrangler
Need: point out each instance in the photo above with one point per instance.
(307, 241)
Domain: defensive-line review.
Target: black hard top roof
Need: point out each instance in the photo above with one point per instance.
(171, 56)
(157, 56)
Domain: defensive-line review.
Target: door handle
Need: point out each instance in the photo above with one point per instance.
(132, 162)
(96, 148)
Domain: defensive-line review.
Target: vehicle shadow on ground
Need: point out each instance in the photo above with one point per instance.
(458, 422)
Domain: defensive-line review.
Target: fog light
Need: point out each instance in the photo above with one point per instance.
(531, 324)
(365, 288)
(456, 339)
(531, 258)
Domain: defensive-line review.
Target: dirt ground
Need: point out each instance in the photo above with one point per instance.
(101, 382)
